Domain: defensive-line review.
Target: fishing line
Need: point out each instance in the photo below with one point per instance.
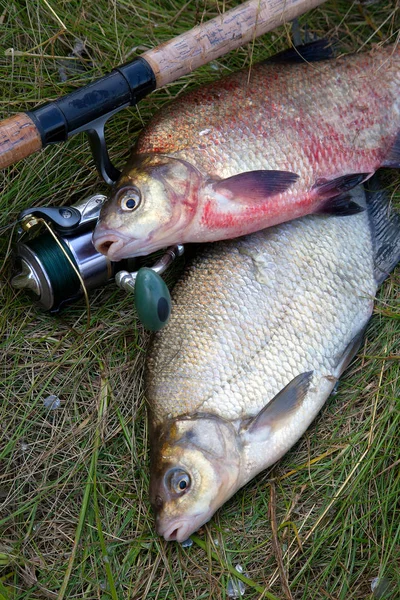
(53, 259)
(55, 266)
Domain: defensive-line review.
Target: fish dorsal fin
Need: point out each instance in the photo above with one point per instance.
(281, 406)
(255, 186)
(385, 225)
(311, 52)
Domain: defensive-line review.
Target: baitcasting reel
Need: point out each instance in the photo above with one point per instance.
(57, 262)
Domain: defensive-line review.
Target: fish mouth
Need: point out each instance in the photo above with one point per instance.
(116, 246)
(113, 245)
(179, 531)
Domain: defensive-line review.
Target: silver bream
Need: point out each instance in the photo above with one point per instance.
(262, 328)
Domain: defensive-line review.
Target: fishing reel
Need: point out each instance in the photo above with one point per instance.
(57, 263)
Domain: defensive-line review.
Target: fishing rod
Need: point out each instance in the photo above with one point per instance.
(89, 108)
(61, 264)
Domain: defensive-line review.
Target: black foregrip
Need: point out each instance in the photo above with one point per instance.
(125, 85)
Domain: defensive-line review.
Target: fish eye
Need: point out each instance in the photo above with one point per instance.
(178, 480)
(129, 198)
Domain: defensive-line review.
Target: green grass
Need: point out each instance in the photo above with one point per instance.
(74, 514)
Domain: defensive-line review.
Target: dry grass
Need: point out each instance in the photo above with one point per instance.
(74, 515)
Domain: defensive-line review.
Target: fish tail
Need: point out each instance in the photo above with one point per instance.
(385, 225)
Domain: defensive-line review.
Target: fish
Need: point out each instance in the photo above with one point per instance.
(262, 329)
(263, 146)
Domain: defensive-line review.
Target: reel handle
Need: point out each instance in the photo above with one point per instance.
(126, 280)
(152, 297)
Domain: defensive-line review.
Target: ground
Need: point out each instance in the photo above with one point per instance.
(75, 521)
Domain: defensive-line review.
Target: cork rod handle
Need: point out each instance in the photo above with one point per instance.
(19, 138)
(212, 39)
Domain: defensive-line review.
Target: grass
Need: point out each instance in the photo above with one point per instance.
(74, 514)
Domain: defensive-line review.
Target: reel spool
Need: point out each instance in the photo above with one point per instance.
(45, 272)
(44, 269)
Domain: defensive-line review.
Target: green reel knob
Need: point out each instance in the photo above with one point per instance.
(152, 299)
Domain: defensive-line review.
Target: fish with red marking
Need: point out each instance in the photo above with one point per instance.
(289, 138)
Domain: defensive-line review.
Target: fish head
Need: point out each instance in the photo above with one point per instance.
(149, 207)
(195, 468)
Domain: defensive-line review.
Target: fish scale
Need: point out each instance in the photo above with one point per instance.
(261, 330)
(325, 99)
(242, 335)
(257, 148)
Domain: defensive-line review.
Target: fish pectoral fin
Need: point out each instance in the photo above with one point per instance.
(275, 412)
(255, 186)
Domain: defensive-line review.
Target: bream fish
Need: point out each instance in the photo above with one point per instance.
(260, 147)
(261, 330)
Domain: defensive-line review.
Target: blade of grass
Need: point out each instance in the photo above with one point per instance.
(90, 486)
(104, 392)
(233, 571)
(78, 533)
(4, 592)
